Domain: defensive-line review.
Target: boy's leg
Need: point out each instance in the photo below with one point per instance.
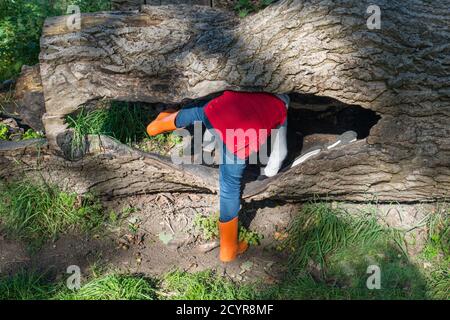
(189, 115)
(170, 120)
(230, 176)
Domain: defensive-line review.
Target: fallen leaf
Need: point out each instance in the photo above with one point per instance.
(280, 235)
(165, 237)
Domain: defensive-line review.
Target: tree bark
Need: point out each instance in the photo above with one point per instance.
(173, 53)
(108, 169)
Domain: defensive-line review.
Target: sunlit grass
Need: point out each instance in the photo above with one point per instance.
(25, 285)
(37, 212)
(319, 231)
(112, 287)
(204, 285)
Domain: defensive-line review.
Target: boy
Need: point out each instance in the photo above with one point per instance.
(230, 117)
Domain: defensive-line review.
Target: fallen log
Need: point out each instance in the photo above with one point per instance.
(108, 169)
(171, 54)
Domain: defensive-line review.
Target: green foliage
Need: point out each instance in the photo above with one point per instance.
(209, 229)
(161, 143)
(245, 7)
(115, 286)
(4, 132)
(21, 24)
(253, 238)
(36, 212)
(436, 253)
(203, 285)
(34, 286)
(31, 134)
(207, 225)
(439, 233)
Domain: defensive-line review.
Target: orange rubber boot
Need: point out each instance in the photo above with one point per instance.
(165, 113)
(165, 122)
(230, 246)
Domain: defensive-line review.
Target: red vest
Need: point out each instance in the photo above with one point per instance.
(254, 113)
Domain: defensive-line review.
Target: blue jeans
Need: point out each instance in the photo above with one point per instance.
(230, 170)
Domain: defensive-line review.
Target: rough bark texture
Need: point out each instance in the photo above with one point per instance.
(173, 53)
(24, 99)
(127, 5)
(108, 169)
(29, 97)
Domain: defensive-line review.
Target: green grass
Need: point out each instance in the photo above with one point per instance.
(21, 24)
(319, 231)
(329, 252)
(439, 282)
(37, 212)
(112, 287)
(438, 233)
(175, 285)
(34, 286)
(123, 121)
(204, 285)
(437, 253)
(25, 285)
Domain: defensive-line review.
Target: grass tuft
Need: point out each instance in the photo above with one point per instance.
(113, 287)
(25, 286)
(204, 285)
(37, 212)
(123, 121)
(319, 231)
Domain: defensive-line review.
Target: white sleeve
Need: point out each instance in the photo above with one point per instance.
(278, 151)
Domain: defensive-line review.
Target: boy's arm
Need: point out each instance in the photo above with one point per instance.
(278, 151)
(279, 145)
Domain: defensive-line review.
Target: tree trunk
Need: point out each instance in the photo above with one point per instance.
(174, 53)
(108, 169)
(127, 5)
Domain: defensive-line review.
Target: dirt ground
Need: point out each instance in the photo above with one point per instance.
(156, 234)
(162, 238)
